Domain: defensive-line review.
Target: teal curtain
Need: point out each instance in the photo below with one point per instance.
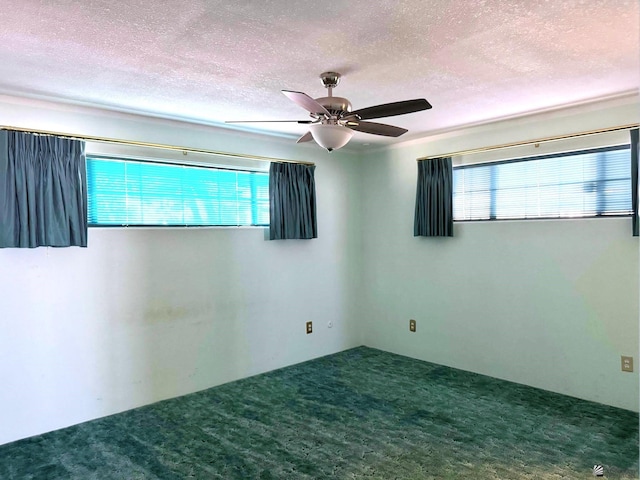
(634, 181)
(43, 195)
(434, 198)
(292, 201)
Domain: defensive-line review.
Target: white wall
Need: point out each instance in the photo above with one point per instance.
(147, 314)
(552, 304)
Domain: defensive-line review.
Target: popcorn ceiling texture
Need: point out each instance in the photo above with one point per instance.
(209, 61)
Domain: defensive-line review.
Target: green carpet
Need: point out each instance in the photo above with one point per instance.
(362, 413)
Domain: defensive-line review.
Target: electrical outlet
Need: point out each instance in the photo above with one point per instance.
(627, 363)
(309, 327)
(412, 325)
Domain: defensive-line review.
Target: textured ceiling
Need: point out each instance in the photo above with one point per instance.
(209, 61)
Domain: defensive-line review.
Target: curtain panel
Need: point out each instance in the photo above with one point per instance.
(634, 180)
(43, 196)
(434, 198)
(292, 201)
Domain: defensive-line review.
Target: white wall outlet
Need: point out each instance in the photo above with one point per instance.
(626, 363)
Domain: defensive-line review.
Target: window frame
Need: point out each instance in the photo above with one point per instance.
(175, 163)
(566, 153)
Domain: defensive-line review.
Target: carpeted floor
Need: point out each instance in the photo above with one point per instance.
(362, 413)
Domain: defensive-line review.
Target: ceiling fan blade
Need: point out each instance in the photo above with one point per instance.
(305, 138)
(391, 109)
(301, 122)
(306, 102)
(378, 129)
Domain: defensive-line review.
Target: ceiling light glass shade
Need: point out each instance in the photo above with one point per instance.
(330, 137)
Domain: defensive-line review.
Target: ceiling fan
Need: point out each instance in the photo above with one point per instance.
(333, 122)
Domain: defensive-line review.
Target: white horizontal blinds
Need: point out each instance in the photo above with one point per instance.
(260, 198)
(126, 192)
(471, 193)
(580, 184)
(107, 192)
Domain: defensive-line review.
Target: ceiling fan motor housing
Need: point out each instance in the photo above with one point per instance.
(335, 105)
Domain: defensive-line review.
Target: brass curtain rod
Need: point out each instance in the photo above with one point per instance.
(91, 138)
(532, 142)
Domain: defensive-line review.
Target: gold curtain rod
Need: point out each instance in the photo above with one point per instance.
(532, 142)
(91, 138)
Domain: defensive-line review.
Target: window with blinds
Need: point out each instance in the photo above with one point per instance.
(587, 183)
(134, 193)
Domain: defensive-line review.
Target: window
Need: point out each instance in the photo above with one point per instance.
(587, 183)
(127, 192)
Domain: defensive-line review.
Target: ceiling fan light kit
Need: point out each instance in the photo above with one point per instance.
(330, 136)
(333, 122)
